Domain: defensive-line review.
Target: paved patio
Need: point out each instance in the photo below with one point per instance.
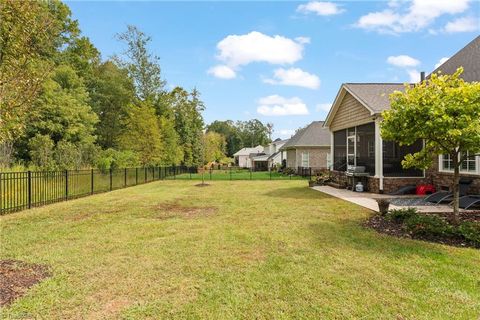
(368, 200)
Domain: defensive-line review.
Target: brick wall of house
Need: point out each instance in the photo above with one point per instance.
(317, 157)
(291, 158)
(443, 180)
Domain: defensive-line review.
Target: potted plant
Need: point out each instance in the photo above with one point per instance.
(383, 205)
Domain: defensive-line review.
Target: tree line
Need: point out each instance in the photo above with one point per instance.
(63, 107)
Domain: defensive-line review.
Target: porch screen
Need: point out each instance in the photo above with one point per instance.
(365, 147)
(340, 150)
(393, 154)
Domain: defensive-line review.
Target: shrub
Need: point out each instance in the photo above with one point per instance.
(428, 225)
(400, 215)
(470, 231)
(41, 151)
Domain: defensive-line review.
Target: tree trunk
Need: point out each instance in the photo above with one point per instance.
(455, 189)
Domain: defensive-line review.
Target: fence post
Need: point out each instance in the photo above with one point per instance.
(125, 178)
(145, 172)
(210, 171)
(174, 172)
(111, 180)
(66, 184)
(29, 189)
(136, 175)
(250, 173)
(270, 174)
(310, 173)
(91, 182)
(230, 173)
(190, 170)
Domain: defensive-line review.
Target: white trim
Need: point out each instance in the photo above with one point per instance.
(462, 172)
(378, 153)
(338, 101)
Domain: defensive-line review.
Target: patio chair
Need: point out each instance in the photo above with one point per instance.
(469, 201)
(410, 189)
(447, 196)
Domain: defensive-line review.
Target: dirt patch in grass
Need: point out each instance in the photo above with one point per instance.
(87, 214)
(202, 185)
(175, 209)
(397, 229)
(16, 277)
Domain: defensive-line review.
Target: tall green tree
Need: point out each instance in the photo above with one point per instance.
(143, 67)
(254, 132)
(31, 34)
(187, 108)
(444, 111)
(142, 134)
(215, 146)
(230, 132)
(112, 94)
(62, 111)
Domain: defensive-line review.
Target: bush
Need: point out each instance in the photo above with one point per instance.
(400, 215)
(41, 151)
(67, 155)
(470, 231)
(428, 225)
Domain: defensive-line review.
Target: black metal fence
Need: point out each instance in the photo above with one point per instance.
(24, 190)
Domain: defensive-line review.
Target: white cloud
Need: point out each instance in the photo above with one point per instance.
(276, 105)
(222, 72)
(403, 61)
(303, 40)
(238, 50)
(286, 133)
(323, 107)
(320, 8)
(294, 77)
(465, 24)
(418, 15)
(440, 62)
(414, 75)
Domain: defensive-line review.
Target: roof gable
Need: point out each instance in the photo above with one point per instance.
(468, 58)
(314, 135)
(373, 96)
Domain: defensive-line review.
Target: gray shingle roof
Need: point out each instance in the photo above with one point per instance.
(314, 135)
(374, 95)
(468, 58)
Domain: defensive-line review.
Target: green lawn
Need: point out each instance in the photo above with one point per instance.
(237, 174)
(257, 250)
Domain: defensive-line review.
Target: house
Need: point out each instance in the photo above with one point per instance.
(271, 156)
(354, 124)
(308, 148)
(242, 156)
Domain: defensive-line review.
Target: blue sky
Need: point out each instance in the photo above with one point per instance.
(283, 62)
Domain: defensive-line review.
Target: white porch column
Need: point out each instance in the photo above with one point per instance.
(331, 150)
(378, 154)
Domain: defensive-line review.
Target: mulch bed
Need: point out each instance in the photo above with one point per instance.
(202, 185)
(16, 277)
(382, 225)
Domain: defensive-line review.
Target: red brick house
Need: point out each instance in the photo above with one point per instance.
(354, 124)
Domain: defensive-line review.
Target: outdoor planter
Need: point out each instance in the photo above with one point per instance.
(383, 205)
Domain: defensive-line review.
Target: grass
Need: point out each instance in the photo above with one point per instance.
(238, 174)
(259, 250)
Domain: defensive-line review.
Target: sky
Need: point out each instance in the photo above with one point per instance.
(284, 62)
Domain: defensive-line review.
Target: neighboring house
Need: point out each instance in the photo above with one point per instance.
(308, 148)
(271, 156)
(354, 124)
(242, 157)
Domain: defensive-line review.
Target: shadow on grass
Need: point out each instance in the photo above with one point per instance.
(297, 193)
(352, 234)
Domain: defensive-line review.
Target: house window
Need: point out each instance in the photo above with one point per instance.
(469, 165)
(305, 159)
(447, 162)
